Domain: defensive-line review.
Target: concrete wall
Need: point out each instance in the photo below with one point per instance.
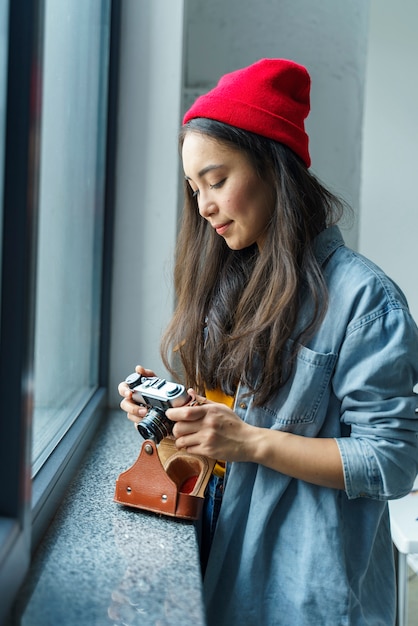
(329, 37)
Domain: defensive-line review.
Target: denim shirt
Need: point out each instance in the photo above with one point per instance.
(287, 552)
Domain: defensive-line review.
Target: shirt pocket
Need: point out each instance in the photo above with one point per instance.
(305, 396)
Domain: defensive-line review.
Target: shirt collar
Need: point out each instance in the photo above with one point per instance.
(326, 243)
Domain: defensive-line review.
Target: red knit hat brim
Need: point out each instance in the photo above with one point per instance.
(269, 98)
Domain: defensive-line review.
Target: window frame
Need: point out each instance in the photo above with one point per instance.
(26, 505)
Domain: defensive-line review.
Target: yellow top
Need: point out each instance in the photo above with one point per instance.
(216, 395)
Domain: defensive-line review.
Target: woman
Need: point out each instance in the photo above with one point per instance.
(311, 353)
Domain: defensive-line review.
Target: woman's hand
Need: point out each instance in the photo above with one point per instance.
(211, 429)
(214, 430)
(135, 412)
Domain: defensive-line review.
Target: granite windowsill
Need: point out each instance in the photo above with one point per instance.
(101, 563)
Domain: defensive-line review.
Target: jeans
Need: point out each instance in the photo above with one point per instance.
(211, 508)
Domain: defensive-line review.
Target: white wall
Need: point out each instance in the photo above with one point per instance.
(147, 181)
(389, 206)
(328, 36)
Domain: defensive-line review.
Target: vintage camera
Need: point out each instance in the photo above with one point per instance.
(158, 395)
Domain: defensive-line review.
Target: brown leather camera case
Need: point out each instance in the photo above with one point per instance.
(165, 480)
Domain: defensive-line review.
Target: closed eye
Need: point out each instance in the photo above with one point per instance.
(218, 185)
(195, 192)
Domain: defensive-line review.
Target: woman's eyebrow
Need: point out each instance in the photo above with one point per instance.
(205, 170)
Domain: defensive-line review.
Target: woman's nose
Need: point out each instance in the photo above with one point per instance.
(206, 205)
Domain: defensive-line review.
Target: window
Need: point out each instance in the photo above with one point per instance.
(58, 79)
(3, 75)
(71, 217)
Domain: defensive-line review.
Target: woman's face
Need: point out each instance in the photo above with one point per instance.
(230, 195)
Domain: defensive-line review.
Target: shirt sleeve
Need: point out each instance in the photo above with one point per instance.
(376, 372)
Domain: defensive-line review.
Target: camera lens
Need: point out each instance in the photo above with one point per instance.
(155, 425)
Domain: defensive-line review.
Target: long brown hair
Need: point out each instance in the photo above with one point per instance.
(237, 309)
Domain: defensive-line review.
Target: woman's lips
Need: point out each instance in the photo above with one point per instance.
(221, 228)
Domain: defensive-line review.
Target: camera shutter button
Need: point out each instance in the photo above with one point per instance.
(133, 380)
(173, 391)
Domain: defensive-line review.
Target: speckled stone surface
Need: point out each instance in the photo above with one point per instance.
(102, 563)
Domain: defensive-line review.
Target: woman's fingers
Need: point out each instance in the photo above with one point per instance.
(139, 369)
(134, 411)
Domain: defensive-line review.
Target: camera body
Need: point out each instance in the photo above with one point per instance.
(158, 395)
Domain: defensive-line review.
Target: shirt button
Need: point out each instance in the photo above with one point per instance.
(242, 405)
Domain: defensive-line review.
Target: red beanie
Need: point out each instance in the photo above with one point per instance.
(270, 98)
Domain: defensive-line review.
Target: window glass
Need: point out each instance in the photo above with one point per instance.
(3, 86)
(71, 198)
